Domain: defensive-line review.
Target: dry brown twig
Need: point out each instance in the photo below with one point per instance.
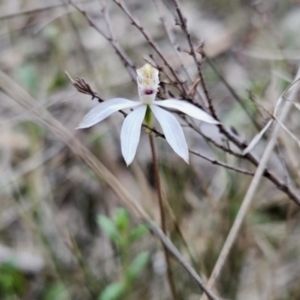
(171, 38)
(182, 22)
(129, 66)
(83, 87)
(155, 47)
(227, 166)
(32, 10)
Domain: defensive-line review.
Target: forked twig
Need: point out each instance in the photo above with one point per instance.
(129, 66)
(147, 36)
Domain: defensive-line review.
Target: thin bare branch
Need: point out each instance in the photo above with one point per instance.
(119, 51)
(30, 11)
(147, 36)
(221, 164)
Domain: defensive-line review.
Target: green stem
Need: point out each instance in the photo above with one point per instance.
(124, 248)
(162, 217)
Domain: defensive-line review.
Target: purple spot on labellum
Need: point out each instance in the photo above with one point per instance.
(149, 92)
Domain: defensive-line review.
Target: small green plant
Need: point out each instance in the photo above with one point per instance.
(12, 281)
(123, 235)
(56, 291)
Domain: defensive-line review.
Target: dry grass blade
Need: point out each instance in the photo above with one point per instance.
(258, 137)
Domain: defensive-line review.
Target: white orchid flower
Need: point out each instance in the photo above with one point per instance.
(148, 82)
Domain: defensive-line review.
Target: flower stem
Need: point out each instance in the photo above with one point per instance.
(162, 217)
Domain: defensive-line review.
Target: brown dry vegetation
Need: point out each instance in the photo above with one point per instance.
(235, 59)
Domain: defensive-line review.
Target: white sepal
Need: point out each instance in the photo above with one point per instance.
(188, 109)
(131, 132)
(172, 131)
(104, 110)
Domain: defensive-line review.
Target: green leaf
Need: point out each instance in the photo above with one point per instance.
(60, 80)
(113, 291)
(11, 279)
(57, 291)
(138, 264)
(121, 219)
(28, 75)
(138, 232)
(109, 228)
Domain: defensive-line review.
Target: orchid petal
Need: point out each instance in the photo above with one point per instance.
(104, 110)
(131, 132)
(188, 109)
(172, 130)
